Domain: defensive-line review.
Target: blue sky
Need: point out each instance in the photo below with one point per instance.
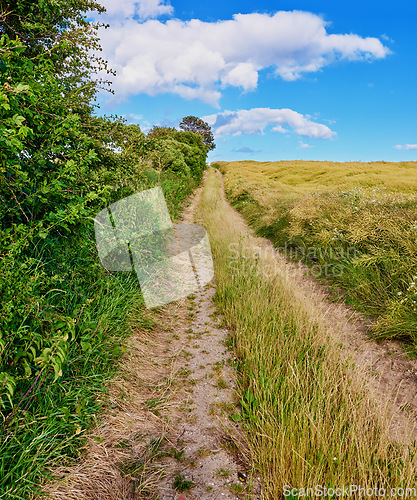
(320, 80)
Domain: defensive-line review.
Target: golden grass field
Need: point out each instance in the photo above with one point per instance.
(358, 218)
(312, 176)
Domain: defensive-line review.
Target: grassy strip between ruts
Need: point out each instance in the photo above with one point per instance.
(354, 224)
(308, 417)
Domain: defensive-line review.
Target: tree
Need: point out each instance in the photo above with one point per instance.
(199, 127)
(46, 93)
(158, 132)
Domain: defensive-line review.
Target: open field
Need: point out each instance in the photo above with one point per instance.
(312, 176)
(354, 224)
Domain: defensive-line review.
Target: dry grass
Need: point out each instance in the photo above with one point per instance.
(309, 417)
(121, 452)
(295, 177)
(353, 224)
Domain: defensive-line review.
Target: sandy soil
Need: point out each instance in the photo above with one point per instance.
(209, 438)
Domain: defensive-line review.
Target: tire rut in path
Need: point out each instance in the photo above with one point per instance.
(207, 431)
(390, 376)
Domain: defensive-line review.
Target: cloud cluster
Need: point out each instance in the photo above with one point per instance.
(197, 59)
(246, 150)
(254, 121)
(407, 147)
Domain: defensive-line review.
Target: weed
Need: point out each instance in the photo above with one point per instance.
(181, 484)
(177, 454)
(203, 451)
(218, 366)
(221, 383)
(237, 488)
(223, 473)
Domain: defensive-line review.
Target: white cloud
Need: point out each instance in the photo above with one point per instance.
(407, 147)
(132, 117)
(254, 121)
(118, 11)
(195, 59)
(302, 145)
(242, 75)
(387, 38)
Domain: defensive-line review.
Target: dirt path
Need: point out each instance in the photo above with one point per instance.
(167, 430)
(390, 375)
(208, 437)
(205, 432)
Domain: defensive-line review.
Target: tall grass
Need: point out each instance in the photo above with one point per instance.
(308, 417)
(353, 224)
(312, 176)
(49, 418)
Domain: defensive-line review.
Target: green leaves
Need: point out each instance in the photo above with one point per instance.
(21, 87)
(7, 387)
(46, 190)
(249, 406)
(17, 120)
(199, 127)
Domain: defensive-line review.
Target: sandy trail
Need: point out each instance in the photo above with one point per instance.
(207, 432)
(167, 426)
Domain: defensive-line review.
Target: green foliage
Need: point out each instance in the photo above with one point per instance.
(181, 484)
(183, 153)
(158, 132)
(195, 154)
(44, 160)
(199, 127)
(62, 316)
(170, 156)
